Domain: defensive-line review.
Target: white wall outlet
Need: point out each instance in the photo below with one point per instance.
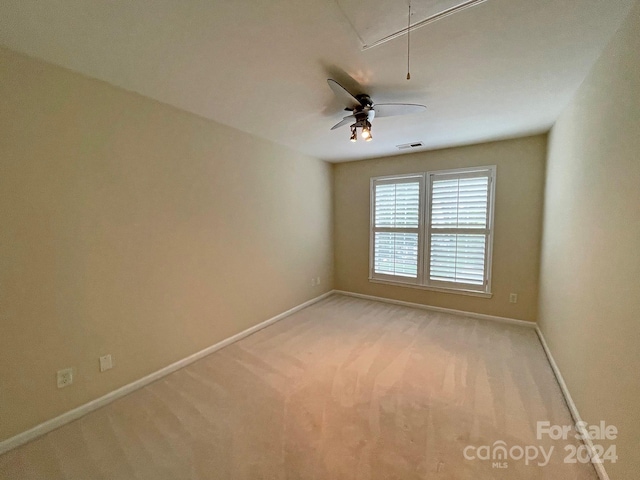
(65, 377)
(513, 298)
(106, 363)
(317, 280)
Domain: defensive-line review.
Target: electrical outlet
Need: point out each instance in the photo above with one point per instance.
(106, 363)
(513, 298)
(65, 377)
(317, 280)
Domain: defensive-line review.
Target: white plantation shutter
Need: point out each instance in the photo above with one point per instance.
(397, 204)
(457, 258)
(396, 224)
(459, 202)
(433, 229)
(396, 254)
(459, 229)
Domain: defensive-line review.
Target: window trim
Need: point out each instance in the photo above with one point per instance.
(421, 281)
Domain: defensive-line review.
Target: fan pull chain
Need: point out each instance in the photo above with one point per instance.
(409, 42)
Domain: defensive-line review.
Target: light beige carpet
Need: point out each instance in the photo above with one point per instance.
(345, 389)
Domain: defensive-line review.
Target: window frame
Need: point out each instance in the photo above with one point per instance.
(422, 281)
(394, 180)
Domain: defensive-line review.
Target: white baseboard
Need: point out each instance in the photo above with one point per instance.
(599, 467)
(82, 410)
(480, 316)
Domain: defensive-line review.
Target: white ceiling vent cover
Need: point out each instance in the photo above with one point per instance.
(407, 146)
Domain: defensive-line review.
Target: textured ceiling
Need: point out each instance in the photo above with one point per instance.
(501, 69)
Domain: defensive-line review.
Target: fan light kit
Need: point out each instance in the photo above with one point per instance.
(365, 133)
(364, 111)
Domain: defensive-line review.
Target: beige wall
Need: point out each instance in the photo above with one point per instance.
(518, 212)
(132, 228)
(590, 275)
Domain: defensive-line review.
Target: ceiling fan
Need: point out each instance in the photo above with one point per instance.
(364, 110)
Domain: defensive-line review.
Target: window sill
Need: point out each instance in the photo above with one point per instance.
(455, 291)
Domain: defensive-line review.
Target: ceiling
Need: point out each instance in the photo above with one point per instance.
(502, 69)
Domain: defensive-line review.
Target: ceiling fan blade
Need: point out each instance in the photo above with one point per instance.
(343, 95)
(344, 121)
(393, 109)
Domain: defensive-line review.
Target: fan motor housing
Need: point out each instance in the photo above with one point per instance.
(365, 100)
(362, 118)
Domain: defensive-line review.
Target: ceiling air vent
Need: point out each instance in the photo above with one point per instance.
(408, 146)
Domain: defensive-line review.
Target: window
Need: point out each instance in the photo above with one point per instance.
(396, 227)
(434, 229)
